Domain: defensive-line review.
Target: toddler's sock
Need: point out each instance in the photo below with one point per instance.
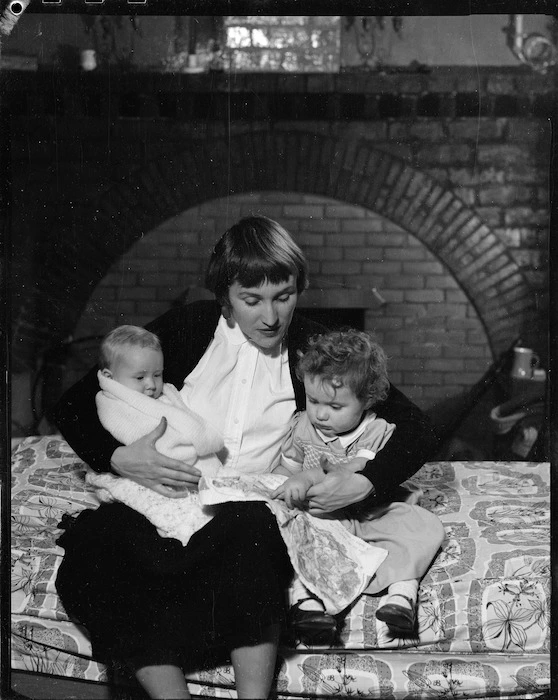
(400, 591)
(308, 617)
(300, 596)
(313, 604)
(399, 610)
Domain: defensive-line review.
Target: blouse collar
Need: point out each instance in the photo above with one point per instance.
(236, 337)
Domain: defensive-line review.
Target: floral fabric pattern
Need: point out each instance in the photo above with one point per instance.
(484, 605)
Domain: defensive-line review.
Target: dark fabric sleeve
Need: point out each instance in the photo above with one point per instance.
(184, 332)
(75, 414)
(412, 443)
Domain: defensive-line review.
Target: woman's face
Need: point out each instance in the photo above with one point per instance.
(264, 313)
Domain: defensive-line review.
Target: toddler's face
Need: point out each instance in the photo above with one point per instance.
(140, 369)
(333, 411)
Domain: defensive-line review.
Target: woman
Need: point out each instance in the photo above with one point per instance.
(148, 601)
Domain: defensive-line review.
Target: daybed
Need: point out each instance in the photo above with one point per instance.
(484, 628)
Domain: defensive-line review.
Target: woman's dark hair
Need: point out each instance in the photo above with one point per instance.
(253, 251)
(348, 358)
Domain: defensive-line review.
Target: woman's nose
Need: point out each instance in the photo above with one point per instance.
(269, 315)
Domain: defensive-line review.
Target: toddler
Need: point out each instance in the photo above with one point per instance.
(345, 376)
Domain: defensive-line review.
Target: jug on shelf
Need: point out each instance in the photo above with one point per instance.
(525, 361)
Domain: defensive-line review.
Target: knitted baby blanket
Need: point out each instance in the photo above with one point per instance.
(128, 416)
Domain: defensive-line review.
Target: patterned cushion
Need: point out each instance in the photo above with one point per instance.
(483, 605)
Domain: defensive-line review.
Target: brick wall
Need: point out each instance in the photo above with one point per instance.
(434, 338)
(433, 189)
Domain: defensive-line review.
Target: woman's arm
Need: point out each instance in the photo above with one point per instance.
(413, 443)
(75, 414)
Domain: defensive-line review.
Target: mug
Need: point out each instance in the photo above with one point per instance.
(524, 362)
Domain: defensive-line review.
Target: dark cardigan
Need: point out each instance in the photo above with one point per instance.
(185, 334)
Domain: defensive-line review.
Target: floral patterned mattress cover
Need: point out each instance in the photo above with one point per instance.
(483, 609)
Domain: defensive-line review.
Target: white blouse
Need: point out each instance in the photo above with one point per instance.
(246, 395)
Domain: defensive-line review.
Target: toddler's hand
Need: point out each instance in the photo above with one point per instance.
(293, 492)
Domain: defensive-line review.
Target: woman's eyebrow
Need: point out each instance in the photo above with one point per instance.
(288, 288)
(248, 292)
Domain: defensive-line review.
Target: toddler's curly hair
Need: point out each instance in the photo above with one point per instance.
(348, 358)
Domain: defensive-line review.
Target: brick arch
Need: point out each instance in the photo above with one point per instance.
(350, 170)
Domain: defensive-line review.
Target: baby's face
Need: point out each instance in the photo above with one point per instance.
(333, 411)
(140, 369)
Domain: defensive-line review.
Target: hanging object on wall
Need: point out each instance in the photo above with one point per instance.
(196, 45)
(193, 65)
(367, 32)
(535, 50)
(112, 38)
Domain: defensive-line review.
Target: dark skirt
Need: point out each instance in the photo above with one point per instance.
(145, 599)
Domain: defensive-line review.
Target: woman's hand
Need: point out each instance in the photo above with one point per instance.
(141, 462)
(339, 488)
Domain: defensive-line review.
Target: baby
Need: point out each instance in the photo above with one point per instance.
(132, 401)
(345, 376)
